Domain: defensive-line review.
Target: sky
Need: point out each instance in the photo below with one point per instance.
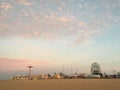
(52, 34)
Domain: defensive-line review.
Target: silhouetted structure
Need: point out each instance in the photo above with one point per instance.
(95, 69)
(30, 70)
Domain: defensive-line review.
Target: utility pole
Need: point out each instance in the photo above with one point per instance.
(71, 70)
(63, 68)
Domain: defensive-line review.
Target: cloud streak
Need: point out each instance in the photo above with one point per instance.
(7, 64)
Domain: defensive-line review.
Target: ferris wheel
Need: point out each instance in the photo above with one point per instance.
(95, 69)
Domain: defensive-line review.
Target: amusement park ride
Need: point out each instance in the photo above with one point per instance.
(95, 69)
(30, 70)
(95, 73)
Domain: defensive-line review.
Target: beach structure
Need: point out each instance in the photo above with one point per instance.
(95, 69)
(30, 70)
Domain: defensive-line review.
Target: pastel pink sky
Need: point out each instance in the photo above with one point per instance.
(20, 64)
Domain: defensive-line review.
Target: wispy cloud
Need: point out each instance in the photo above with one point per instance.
(25, 2)
(5, 6)
(48, 27)
(54, 21)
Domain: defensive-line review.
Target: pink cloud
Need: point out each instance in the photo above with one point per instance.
(53, 25)
(5, 6)
(7, 64)
(24, 2)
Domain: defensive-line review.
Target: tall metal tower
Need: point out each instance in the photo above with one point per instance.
(29, 70)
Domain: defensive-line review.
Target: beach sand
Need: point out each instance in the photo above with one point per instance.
(61, 84)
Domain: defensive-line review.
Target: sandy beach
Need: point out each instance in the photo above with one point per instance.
(61, 84)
